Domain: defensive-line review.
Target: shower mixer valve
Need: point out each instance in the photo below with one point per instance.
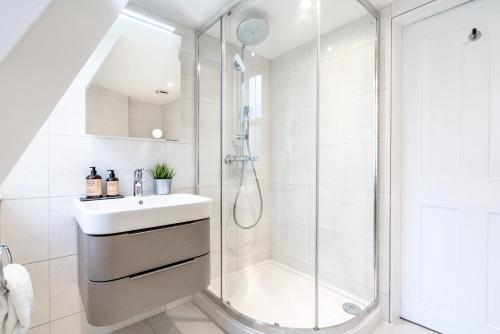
(229, 159)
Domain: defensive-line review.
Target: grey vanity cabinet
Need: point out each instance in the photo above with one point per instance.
(125, 274)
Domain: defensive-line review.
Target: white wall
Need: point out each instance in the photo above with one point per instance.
(347, 151)
(38, 70)
(16, 18)
(36, 211)
(241, 247)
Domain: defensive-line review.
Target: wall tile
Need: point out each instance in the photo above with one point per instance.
(385, 64)
(29, 177)
(384, 219)
(181, 157)
(64, 292)
(209, 165)
(178, 121)
(62, 227)
(385, 22)
(68, 117)
(384, 268)
(385, 115)
(384, 168)
(25, 228)
(39, 273)
(69, 159)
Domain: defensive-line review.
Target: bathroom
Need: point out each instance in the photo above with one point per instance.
(290, 131)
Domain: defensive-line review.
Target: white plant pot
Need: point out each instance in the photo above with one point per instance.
(162, 186)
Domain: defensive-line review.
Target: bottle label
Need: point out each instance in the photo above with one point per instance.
(94, 188)
(112, 188)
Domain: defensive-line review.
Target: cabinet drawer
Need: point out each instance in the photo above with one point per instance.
(111, 257)
(109, 302)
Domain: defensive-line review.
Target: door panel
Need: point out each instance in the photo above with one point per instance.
(451, 169)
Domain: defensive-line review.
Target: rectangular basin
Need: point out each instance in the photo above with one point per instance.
(136, 213)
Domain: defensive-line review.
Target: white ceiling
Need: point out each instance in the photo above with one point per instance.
(196, 13)
(290, 25)
(143, 59)
(191, 13)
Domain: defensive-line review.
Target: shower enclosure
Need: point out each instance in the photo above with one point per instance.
(287, 140)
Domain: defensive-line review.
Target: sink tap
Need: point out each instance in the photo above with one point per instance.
(138, 188)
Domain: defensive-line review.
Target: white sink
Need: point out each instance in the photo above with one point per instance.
(135, 213)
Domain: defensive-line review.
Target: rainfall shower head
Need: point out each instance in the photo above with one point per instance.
(252, 31)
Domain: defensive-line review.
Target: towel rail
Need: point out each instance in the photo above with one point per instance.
(4, 249)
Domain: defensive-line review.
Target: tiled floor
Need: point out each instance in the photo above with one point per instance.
(184, 319)
(402, 327)
(189, 319)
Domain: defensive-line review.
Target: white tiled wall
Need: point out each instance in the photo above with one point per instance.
(347, 148)
(241, 247)
(36, 209)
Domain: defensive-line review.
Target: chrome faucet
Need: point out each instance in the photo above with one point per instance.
(138, 188)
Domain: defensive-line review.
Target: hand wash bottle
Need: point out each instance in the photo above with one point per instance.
(94, 184)
(111, 184)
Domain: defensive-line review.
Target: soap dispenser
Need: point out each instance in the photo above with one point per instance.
(94, 184)
(112, 184)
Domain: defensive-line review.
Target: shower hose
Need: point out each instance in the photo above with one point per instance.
(237, 196)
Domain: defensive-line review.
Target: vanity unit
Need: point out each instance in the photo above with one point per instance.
(138, 253)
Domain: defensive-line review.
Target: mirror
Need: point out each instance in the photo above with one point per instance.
(137, 83)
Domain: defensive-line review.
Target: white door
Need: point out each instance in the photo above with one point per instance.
(451, 171)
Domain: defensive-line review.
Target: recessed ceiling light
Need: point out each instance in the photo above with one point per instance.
(305, 4)
(253, 54)
(170, 84)
(161, 92)
(329, 49)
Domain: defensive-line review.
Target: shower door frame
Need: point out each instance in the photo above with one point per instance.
(219, 300)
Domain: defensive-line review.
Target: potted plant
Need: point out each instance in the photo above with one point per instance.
(162, 175)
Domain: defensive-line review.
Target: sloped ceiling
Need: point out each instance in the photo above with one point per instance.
(39, 68)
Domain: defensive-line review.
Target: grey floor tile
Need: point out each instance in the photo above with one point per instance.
(162, 324)
(142, 327)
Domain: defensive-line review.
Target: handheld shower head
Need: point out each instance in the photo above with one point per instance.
(238, 63)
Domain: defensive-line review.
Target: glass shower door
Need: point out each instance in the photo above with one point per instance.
(269, 171)
(347, 154)
(209, 140)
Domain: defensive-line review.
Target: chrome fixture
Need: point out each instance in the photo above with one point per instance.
(238, 64)
(138, 182)
(229, 159)
(4, 248)
(352, 308)
(251, 31)
(224, 29)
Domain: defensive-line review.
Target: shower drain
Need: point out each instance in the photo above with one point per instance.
(352, 308)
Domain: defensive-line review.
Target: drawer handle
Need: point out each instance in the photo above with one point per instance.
(162, 269)
(156, 229)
